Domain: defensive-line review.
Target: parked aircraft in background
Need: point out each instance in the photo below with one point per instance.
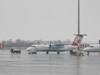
(2, 45)
(92, 48)
(56, 47)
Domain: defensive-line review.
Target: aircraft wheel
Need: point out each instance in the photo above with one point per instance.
(58, 52)
(47, 52)
(71, 51)
(29, 53)
(35, 52)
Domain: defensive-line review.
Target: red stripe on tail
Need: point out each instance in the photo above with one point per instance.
(77, 40)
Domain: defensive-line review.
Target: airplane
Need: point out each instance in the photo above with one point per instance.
(92, 48)
(56, 47)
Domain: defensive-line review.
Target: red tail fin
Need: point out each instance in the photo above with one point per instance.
(77, 40)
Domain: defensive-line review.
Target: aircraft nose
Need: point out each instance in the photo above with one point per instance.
(86, 49)
(29, 48)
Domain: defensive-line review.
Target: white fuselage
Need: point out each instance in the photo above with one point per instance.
(92, 48)
(52, 48)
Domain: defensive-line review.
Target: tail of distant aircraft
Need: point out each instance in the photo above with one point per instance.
(77, 40)
(1, 45)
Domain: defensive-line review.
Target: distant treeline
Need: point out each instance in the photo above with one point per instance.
(27, 43)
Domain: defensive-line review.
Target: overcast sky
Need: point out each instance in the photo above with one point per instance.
(49, 19)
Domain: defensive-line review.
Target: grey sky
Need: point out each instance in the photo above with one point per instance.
(48, 19)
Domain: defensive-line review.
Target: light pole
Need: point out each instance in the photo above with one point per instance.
(79, 52)
(78, 16)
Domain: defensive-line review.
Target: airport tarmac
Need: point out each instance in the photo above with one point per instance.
(51, 64)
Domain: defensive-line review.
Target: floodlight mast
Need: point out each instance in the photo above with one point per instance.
(79, 52)
(78, 16)
(79, 20)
